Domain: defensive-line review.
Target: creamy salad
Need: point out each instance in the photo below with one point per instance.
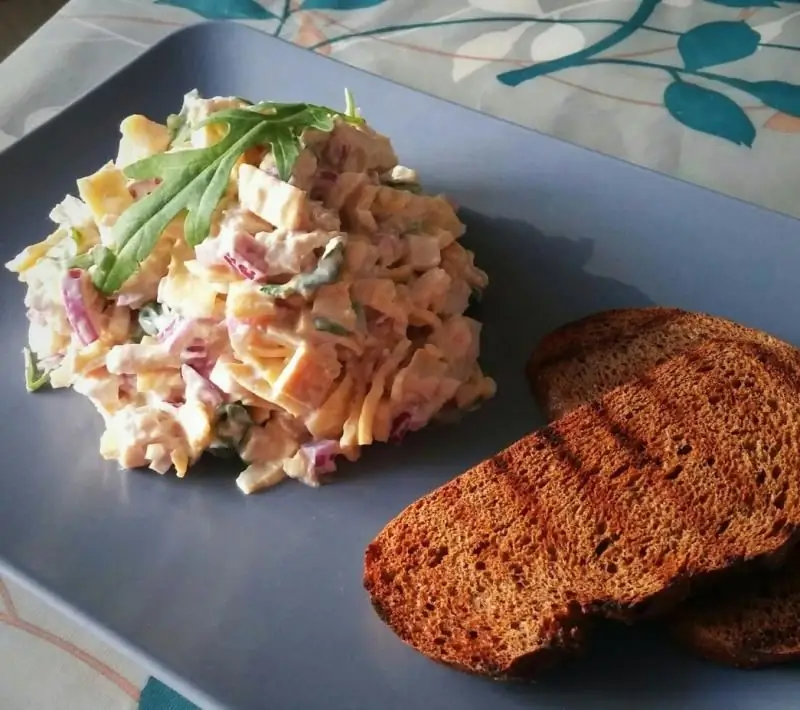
(263, 280)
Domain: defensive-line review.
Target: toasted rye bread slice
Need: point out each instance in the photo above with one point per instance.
(615, 510)
(757, 621)
(753, 624)
(583, 360)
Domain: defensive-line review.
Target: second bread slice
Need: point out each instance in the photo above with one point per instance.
(615, 510)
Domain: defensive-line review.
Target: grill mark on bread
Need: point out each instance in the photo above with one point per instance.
(680, 501)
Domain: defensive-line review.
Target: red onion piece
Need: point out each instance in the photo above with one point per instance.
(323, 183)
(72, 295)
(247, 256)
(178, 334)
(405, 422)
(201, 387)
(321, 456)
(400, 427)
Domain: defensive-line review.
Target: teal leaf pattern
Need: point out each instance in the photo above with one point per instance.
(780, 95)
(745, 3)
(717, 43)
(709, 111)
(157, 696)
(340, 4)
(223, 9)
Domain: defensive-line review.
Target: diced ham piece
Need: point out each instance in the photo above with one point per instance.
(201, 388)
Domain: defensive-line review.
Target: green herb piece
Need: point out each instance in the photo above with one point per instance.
(350, 110)
(326, 325)
(178, 123)
(149, 316)
(233, 425)
(194, 180)
(413, 187)
(81, 261)
(327, 272)
(136, 334)
(34, 377)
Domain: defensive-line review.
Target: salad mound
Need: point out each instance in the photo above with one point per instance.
(258, 279)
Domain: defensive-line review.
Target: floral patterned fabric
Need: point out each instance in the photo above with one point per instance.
(705, 90)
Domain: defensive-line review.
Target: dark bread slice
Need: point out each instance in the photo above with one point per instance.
(582, 360)
(616, 510)
(754, 622)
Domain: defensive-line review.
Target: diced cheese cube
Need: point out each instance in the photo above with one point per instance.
(105, 192)
(141, 138)
(193, 417)
(327, 422)
(31, 255)
(277, 202)
(333, 303)
(245, 301)
(184, 292)
(423, 251)
(307, 378)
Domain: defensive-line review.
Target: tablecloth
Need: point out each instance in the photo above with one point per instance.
(704, 90)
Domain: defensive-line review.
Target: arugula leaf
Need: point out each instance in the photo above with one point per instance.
(194, 181)
(34, 378)
(326, 325)
(98, 254)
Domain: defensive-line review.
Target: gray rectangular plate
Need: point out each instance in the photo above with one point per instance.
(257, 602)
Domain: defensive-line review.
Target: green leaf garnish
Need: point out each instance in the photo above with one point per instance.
(34, 378)
(350, 110)
(327, 272)
(194, 180)
(326, 325)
